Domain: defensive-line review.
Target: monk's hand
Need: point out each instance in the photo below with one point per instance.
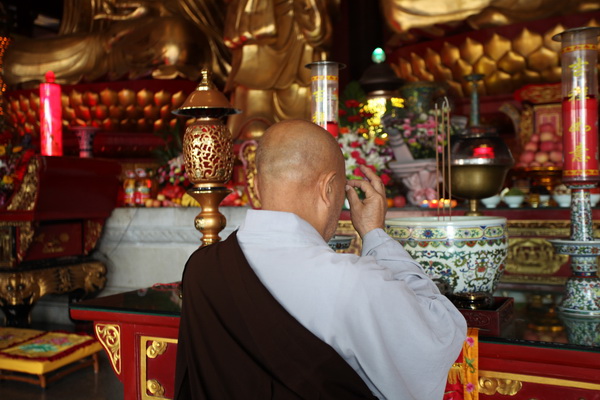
(369, 213)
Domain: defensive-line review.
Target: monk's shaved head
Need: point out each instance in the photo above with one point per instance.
(292, 159)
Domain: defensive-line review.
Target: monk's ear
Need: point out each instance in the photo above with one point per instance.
(327, 188)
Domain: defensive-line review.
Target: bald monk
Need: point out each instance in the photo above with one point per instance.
(273, 313)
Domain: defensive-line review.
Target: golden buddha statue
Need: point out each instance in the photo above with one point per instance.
(115, 39)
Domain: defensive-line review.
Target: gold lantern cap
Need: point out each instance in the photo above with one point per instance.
(206, 101)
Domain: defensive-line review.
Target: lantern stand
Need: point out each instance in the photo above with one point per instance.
(581, 170)
(208, 154)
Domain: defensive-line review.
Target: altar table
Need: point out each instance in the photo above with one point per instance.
(537, 355)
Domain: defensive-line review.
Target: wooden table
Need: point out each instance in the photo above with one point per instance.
(537, 355)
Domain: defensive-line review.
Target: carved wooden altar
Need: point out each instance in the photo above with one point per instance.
(48, 229)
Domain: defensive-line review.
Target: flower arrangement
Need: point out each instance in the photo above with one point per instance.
(362, 142)
(417, 130)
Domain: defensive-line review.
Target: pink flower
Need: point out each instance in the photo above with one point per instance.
(470, 387)
(355, 154)
(470, 341)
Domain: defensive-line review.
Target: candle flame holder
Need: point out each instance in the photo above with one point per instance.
(208, 154)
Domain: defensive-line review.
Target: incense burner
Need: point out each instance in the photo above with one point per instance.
(465, 254)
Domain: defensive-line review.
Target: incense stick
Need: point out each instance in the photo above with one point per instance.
(447, 108)
(437, 160)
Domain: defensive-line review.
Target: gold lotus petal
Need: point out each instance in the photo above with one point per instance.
(449, 54)
(100, 112)
(31, 116)
(14, 105)
(159, 125)
(434, 63)
(455, 88)
(34, 101)
(471, 50)
(83, 112)
(116, 112)
(404, 70)
(543, 59)
(419, 67)
(96, 123)
(23, 103)
(498, 82)
(178, 99)
(133, 112)
(460, 69)
(165, 111)
(552, 44)
(527, 76)
(90, 98)
(512, 63)
(64, 100)
(126, 97)
(485, 66)
(553, 74)
(144, 97)
(108, 97)
(162, 98)
(173, 123)
(127, 125)
(75, 98)
(68, 113)
(29, 128)
(496, 47)
(151, 112)
(143, 125)
(527, 42)
(109, 124)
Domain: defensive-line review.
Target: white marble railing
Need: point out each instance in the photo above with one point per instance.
(141, 247)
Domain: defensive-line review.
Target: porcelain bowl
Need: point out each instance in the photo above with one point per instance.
(563, 200)
(492, 202)
(468, 254)
(514, 201)
(594, 199)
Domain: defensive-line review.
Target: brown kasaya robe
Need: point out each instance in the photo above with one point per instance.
(237, 342)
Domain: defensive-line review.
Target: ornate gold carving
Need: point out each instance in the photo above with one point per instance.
(155, 388)
(110, 338)
(506, 387)
(7, 246)
(92, 232)
(147, 385)
(24, 198)
(26, 287)
(248, 156)
(504, 379)
(52, 244)
(533, 256)
(25, 232)
(156, 348)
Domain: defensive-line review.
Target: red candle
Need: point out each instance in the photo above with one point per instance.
(50, 117)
